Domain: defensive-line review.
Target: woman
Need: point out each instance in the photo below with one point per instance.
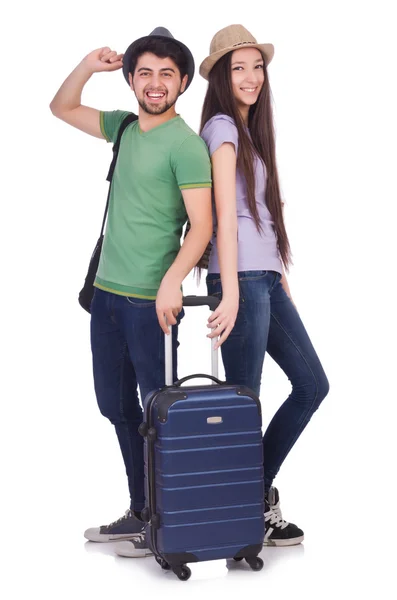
(251, 252)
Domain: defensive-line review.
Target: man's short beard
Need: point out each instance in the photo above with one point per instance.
(156, 109)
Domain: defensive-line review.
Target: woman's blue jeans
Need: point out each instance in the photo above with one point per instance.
(267, 321)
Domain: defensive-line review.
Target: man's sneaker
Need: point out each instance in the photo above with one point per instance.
(135, 548)
(125, 528)
(277, 531)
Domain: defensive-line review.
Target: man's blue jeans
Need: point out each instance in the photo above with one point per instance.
(128, 350)
(267, 321)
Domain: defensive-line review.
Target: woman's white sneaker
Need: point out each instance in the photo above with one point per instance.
(279, 532)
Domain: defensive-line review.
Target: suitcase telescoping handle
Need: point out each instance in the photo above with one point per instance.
(212, 302)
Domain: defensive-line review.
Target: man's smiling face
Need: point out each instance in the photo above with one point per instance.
(156, 83)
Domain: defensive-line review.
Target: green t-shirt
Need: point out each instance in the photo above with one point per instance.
(146, 210)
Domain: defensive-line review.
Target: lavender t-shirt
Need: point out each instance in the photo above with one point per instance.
(256, 250)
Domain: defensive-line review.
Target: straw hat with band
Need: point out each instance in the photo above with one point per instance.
(229, 39)
(160, 33)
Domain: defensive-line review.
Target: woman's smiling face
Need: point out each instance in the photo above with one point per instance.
(247, 66)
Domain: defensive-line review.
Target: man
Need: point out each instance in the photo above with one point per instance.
(162, 176)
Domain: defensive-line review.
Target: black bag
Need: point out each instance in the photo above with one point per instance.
(204, 260)
(87, 292)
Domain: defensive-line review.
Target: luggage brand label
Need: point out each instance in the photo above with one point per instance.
(214, 420)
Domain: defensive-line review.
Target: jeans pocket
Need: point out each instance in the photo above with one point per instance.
(277, 279)
(140, 302)
(252, 275)
(215, 289)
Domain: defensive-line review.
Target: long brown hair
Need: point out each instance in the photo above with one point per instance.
(220, 99)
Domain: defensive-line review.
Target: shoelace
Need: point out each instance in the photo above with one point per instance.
(139, 537)
(275, 517)
(276, 509)
(125, 516)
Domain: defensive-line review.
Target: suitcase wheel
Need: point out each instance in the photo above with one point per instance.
(238, 558)
(256, 563)
(182, 572)
(163, 563)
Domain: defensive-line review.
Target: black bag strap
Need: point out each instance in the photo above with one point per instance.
(128, 119)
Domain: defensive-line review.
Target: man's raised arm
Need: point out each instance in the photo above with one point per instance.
(66, 104)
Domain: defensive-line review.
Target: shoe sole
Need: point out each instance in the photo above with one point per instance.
(290, 542)
(102, 538)
(137, 554)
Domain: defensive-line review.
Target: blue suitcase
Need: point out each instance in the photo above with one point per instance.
(203, 469)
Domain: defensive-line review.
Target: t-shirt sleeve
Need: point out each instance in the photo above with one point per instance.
(110, 122)
(218, 131)
(191, 164)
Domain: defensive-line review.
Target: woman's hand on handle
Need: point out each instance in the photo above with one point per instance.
(222, 320)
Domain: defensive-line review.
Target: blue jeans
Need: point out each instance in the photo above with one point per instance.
(128, 350)
(267, 321)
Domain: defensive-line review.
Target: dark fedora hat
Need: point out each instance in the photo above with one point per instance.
(160, 33)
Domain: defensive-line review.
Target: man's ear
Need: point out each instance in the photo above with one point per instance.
(184, 83)
(130, 80)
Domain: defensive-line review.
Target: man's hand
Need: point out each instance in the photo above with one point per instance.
(168, 303)
(102, 59)
(66, 104)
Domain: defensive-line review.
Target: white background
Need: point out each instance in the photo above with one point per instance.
(333, 82)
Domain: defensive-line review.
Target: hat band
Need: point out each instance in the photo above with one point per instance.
(242, 43)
